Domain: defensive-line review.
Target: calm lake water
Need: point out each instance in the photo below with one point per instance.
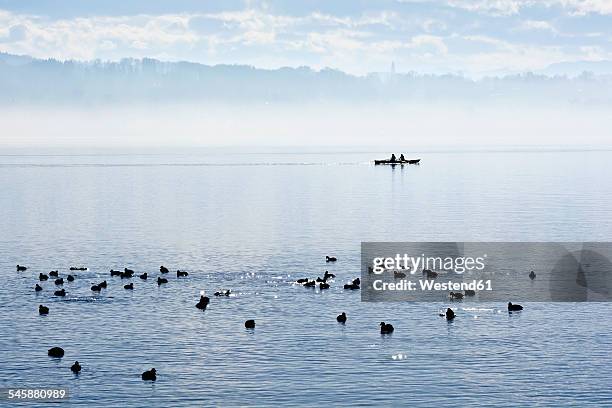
(253, 223)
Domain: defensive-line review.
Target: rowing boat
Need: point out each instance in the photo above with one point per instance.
(393, 163)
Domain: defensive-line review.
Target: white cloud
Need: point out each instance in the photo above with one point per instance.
(426, 41)
(87, 38)
(593, 53)
(512, 7)
(582, 7)
(513, 58)
(537, 25)
(432, 25)
(360, 43)
(495, 7)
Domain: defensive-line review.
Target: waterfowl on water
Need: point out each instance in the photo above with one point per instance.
(341, 318)
(399, 275)
(514, 308)
(323, 285)
(128, 286)
(102, 284)
(328, 276)
(70, 278)
(150, 375)
(532, 275)
(302, 280)
(55, 274)
(57, 352)
(354, 285)
(430, 274)
(126, 270)
(161, 280)
(223, 293)
(59, 281)
(181, 274)
(249, 324)
(76, 367)
(469, 292)
(204, 301)
(96, 288)
(37, 288)
(43, 310)
(386, 328)
(330, 259)
(143, 276)
(163, 269)
(60, 293)
(42, 277)
(456, 295)
(78, 268)
(310, 284)
(115, 273)
(21, 268)
(450, 315)
(128, 274)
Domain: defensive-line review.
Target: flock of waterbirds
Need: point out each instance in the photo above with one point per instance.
(151, 375)
(127, 273)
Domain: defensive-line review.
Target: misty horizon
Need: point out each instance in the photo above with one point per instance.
(27, 80)
(403, 73)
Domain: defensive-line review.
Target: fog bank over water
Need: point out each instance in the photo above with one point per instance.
(150, 103)
(312, 125)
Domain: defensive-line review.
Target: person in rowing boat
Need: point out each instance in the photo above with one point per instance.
(402, 157)
(393, 159)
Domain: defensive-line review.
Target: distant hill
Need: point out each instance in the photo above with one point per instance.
(577, 68)
(15, 60)
(26, 80)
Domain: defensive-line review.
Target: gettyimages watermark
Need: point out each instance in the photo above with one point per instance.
(486, 271)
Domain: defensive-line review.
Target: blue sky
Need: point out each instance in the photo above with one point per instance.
(471, 37)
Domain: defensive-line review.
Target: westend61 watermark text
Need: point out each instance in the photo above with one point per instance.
(486, 271)
(424, 284)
